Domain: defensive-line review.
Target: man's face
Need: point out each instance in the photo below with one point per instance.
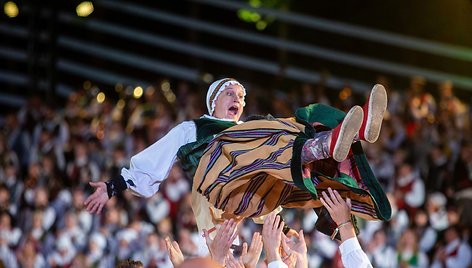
(229, 104)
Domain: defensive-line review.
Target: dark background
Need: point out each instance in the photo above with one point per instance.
(48, 50)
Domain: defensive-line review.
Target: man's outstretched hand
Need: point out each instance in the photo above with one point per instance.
(96, 202)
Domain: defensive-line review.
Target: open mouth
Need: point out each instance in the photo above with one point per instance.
(233, 110)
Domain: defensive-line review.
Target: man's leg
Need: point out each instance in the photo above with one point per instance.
(335, 143)
(374, 110)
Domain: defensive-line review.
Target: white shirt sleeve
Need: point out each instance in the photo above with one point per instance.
(152, 165)
(277, 264)
(352, 254)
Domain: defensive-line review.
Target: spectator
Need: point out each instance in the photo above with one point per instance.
(410, 189)
(29, 255)
(436, 208)
(426, 234)
(379, 252)
(95, 253)
(409, 253)
(8, 228)
(129, 264)
(7, 256)
(64, 253)
(154, 253)
(455, 253)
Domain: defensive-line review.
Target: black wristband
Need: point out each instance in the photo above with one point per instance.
(115, 186)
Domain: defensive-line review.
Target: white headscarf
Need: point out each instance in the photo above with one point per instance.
(216, 88)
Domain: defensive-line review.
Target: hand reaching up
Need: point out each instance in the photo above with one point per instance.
(339, 209)
(251, 257)
(297, 249)
(220, 245)
(175, 254)
(232, 262)
(340, 212)
(272, 236)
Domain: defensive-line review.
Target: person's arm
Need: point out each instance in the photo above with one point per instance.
(272, 238)
(147, 169)
(152, 165)
(352, 254)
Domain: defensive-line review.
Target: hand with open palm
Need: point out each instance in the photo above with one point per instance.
(251, 257)
(95, 202)
(220, 245)
(175, 254)
(296, 248)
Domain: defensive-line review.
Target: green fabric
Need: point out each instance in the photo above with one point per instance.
(191, 153)
(383, 207)
(331, 117)
(347, 180)
(413, 261)
(296, 163)
(321, 113)
(310, 187)
(208, 127)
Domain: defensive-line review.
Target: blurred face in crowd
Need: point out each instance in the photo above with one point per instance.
(421, 218)
(451, 234)
(408, 241)
(41, 197)
(229, 104)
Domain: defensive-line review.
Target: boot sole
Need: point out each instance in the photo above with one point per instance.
(349, 128)
(377, 108)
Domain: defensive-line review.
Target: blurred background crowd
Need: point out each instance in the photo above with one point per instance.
(50, 151)
(147, 66)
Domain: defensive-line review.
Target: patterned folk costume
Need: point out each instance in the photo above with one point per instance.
(253, 168)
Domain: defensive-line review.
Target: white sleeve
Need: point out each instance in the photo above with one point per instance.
(352, 254)
(152, 165)
(277, 264)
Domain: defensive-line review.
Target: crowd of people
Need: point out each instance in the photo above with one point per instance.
(49, 153)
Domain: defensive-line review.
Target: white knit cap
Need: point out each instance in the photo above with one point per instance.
(216, 88)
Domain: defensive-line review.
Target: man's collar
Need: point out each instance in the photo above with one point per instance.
(221, 119)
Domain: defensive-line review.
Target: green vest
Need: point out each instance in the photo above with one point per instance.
(190, 154)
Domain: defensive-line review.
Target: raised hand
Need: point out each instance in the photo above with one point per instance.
(290, 260)
(340, 212)
(339, 209)
(297, 249)
(272, 236)
(251, 257)
(219, 246)
(175, 254)
(232, 262)
(96, 202)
